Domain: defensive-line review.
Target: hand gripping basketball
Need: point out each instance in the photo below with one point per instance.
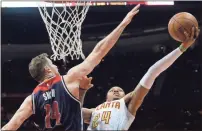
(131, 14)
(190, 39)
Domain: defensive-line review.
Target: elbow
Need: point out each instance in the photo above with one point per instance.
(153, 71)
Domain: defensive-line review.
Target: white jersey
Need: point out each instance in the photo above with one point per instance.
(112, 115)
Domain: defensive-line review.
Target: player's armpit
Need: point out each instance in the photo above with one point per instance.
(137, 98)
(24, 112)
(87, 113)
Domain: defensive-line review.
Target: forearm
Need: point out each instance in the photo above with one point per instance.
(160, 66)
(24, 112)
(105, 45)
(100, 50)
(12, 125)
(82, 94)
(9, 127)
(109, 41)
(148, 79)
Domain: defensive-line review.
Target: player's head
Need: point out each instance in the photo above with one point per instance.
(115, 93)
(42, 67)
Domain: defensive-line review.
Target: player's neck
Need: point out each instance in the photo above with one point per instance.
(109, 100)
(112, 99)
(48, 76)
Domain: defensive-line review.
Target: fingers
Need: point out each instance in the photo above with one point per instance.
(192, 33)
(187, 35)
(192, 36)
(136, 8)
(91, 85)
(197, 31)
(90, 78)
(87, 78)
(134, 13)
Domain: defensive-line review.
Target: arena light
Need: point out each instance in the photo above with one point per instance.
(94, 3)
(26, 4)
(160, 3)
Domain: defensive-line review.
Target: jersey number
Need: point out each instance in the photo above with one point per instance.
(106, 115)
(52, 113)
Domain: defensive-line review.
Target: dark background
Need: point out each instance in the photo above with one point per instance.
(174, 102)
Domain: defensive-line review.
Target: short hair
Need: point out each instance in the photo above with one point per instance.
(36, 67)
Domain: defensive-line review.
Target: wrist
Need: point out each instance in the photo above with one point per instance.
(182, 48)
(123, 24)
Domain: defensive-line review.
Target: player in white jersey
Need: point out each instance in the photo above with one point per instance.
(111, 115)
(119, 110)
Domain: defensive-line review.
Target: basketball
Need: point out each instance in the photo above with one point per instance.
(179, 23)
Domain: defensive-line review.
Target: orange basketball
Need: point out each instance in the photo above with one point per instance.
(179, 23)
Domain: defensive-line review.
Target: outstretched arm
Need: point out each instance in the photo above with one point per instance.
(101, 49)
(24, 112)
(138, 95)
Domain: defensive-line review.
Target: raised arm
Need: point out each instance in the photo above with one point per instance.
(24, 112)
(138, 95)
(101, 49)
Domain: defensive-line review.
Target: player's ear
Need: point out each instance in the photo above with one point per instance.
(47, 69)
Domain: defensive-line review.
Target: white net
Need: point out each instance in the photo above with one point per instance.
(63, 22)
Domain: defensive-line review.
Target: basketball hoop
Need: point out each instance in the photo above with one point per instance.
(63, 20)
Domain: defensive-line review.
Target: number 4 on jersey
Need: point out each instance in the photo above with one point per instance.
(106, 115)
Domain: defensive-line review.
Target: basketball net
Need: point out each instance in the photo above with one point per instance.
(63, 24)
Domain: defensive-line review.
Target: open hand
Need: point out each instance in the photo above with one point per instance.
(130, 15)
